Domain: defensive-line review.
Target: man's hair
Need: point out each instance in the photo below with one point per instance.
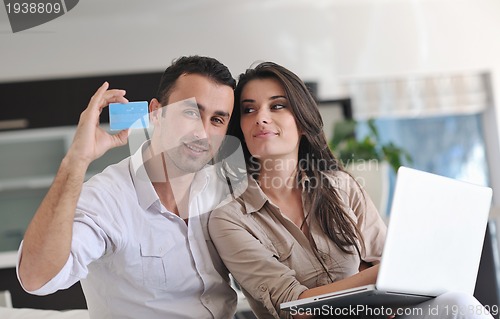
(201, 65)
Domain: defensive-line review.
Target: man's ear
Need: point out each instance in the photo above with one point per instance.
(154, 111)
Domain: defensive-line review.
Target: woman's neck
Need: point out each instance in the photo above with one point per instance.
(278, 180)
(277, 177)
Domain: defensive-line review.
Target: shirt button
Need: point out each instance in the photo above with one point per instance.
(263, 288)
(324, 257)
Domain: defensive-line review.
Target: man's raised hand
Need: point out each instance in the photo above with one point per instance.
(91, 141)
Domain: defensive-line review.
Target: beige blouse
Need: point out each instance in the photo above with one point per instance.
(271, 258)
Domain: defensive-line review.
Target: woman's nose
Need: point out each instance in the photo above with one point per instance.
(263, 117)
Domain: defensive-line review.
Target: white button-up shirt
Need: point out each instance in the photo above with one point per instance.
(135, 259)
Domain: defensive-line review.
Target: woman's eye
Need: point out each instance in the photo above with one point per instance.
(278, 106)
(247, 110)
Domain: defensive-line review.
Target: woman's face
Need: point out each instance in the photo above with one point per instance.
(267, 121)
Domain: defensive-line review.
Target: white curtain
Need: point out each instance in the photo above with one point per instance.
(419, 95)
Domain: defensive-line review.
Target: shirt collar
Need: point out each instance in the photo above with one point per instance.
(146, 193)
(254, 197)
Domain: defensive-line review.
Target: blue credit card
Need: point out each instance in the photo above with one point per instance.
(132, 115)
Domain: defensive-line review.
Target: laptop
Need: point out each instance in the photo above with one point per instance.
(433, 245)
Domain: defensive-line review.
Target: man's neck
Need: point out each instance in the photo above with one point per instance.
(173, 198)
(173, 190)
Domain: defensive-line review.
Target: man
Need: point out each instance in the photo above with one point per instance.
(135, 234)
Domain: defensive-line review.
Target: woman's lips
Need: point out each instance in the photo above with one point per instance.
(265, 134)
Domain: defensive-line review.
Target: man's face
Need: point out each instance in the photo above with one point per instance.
(194, 123)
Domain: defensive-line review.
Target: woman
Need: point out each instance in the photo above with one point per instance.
(303, 227)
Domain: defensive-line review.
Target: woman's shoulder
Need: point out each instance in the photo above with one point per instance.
(248, 202)
(345, 184)
(340, 178)
(229, 209)
(229, 216)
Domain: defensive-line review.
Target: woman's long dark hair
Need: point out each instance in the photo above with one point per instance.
(315, 157)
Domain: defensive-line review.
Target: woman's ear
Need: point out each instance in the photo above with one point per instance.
(154, 111)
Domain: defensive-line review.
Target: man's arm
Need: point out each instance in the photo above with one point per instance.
(47, 241)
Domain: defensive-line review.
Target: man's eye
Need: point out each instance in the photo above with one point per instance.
(192, 113)
(217, 120)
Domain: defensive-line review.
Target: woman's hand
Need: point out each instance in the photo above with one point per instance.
(366, 277)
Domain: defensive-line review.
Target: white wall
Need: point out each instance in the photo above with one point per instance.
(323, 40)
(320, 40)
